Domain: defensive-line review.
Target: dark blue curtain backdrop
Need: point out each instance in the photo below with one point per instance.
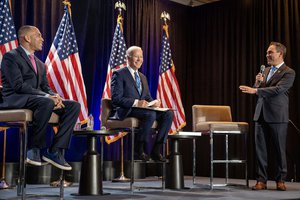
(94, 23)
(216, 47)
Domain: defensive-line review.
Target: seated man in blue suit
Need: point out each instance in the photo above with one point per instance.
(25, 86)
(130, 93)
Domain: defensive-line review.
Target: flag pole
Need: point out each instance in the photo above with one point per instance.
(68, 3)
(122, 178)
(61, 182)
(9, 3)
(166, 16)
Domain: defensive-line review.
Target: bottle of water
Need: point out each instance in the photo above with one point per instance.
(90, 125)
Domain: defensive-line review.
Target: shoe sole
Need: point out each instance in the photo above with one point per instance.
(32, 162)
(278, 189)
(260, 189)
(44, 163)
(56, 164)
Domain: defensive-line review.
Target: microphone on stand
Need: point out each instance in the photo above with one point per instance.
(262, 69)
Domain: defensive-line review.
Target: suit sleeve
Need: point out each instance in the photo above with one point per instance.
(283, 85)
(12, 72)
(117, 92)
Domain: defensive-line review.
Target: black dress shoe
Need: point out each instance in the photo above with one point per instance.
(143, 157)
(158, 157)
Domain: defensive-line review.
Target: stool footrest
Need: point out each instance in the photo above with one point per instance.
(229, 161)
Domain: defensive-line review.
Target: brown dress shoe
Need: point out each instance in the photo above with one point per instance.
(259, 186)
(280, 186)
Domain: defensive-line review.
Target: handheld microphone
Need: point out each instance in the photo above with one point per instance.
(262, 69)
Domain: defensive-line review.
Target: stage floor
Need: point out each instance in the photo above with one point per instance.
(149, 190)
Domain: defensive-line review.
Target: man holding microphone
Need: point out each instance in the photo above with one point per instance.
(272, 114)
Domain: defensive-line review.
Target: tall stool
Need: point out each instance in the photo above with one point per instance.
(217, 121)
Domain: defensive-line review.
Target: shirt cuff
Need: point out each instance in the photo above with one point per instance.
(135, 103)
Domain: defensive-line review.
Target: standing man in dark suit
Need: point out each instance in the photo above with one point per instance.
(25, 85)
(272, 114)
(130, 93)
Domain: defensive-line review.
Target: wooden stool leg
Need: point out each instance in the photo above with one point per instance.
(122, 177)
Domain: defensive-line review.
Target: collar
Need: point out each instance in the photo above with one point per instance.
(132, 71)
(26, 51)
(277, 66)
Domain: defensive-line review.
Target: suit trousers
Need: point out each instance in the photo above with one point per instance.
(276, 133)
(42, 108)
(147, 118)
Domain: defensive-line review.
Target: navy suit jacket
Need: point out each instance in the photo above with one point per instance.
(19, 79)
(273, 99)
(124, 92)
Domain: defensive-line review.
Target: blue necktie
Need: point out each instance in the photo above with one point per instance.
(138, 82)
(272, 71)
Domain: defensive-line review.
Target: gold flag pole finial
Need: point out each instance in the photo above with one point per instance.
(120, 5)
(165, 16)
(68, 3)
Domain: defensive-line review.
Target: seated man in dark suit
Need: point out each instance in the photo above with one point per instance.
(25, 86)
(129, 92)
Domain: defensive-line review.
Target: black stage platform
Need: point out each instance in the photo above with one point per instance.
(150, 190)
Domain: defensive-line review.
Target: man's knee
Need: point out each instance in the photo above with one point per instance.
(169, 115)
(150, 115)
(73, 105)
(46, 104)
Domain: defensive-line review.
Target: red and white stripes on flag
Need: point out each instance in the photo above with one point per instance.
(168, 91)
(117, 60)
(107, 90)
(64, 71)
(8, 36)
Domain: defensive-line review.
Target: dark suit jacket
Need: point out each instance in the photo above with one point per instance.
(19, 79)
(273, 99)
(124, 92)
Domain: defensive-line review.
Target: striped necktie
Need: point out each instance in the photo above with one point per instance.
(272, 71)
(138, 82)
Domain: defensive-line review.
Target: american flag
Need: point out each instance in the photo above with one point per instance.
(8, 37)
(116, 61)
(168, 91)
(64, 67)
